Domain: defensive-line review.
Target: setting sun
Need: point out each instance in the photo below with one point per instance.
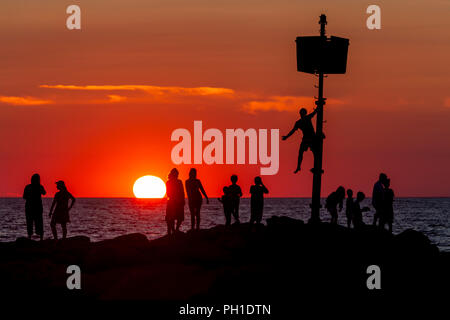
(149, 187)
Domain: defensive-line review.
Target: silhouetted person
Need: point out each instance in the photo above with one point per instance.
(388, 204)
(33, 206)
(194, 190)
(349, 207)
(309, 135)
(357, 211)
(334, 199)
(257, 200)
(61, 205)
(226, 202)
(235, 197)
(175, 202)
(378, 197)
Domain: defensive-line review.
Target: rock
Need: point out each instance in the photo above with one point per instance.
(266, 263)
(124, 250)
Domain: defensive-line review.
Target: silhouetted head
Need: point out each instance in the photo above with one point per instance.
(234, 178)
(193, 173)
(360, 196)
(303, 112)
(341, 192)
(387, 183)
(383, 177)
(60, 185)
(349, 193)
(35, 179)
(258, 180)
(173, 174)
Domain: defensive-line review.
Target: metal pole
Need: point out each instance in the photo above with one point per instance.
(318, 154)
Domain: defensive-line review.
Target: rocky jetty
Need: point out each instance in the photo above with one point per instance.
(287, 260)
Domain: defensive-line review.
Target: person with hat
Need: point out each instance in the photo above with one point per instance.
(61, 207)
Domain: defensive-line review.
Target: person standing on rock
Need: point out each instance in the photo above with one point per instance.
(349, 207)
(357, 211)
(334, 199)
(33, 206)
(61, 205)
(175, 202)
(378, 197)
(194, 190)
(225, 200)
(257, 192)
(235, 197)
(388, 206)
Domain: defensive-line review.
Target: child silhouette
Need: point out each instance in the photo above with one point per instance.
(235, 197)
(225, 200)
(257, 200)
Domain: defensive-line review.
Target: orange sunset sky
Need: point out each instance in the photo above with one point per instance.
(96, 107)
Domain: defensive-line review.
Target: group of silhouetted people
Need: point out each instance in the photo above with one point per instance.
(194, 190)
(176, 200)
(59, 211)
(382, 201)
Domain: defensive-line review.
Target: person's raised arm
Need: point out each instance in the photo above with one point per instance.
(203, 191)
(265, 190)
(312, 114)
(43, 192)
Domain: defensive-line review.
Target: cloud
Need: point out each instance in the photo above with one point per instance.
(116, 98)
(23, 101)
(284, 103)
(153, 90)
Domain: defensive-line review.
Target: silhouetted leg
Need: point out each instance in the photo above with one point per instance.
(301, 150)
(39, 226)
(198, 218)
(53, 227)
(382, 221)
(64, 230)
(192, 212)
(252, 215)
(227, 217)
(178, 225)
(259, 216)
(376, 216)
(170, 227)
(235, 212)
(192, 220)
(333, 213)
(29, 220)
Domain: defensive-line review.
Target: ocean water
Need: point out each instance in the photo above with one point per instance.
(105, 218)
